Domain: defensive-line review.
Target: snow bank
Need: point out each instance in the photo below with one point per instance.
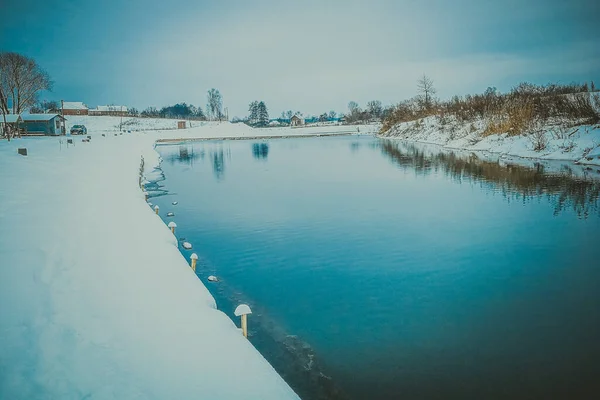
(571, 144)
(97, 301)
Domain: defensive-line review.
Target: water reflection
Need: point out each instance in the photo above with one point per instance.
(260, 150)
(561, 185)
(185, 155)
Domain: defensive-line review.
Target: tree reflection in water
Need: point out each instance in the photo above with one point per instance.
(260, 150)
(562, 188)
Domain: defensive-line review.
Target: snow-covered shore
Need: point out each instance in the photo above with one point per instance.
(97, 301)
(578, 144)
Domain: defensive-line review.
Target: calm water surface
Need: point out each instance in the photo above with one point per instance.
(381, 270)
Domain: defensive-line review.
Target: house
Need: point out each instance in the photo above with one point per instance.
(43, 124)
(296, 121)
(74, 108)
(116, 111)
(13, 122)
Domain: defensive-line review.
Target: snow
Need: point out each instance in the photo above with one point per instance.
(38, 117)
(10, 118)
(579, 144)
(187, 245)
(242, 309)
(74, 105)
(213, 278)
(109, 108)
(97, 301)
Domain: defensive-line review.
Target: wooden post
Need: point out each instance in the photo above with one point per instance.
(194, 258)
(242, 311)
(146, 195)
(156, 208)
(245, 325)
(172, 225)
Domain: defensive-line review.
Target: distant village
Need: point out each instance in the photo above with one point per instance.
(52, 121)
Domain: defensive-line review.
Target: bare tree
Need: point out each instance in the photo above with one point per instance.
(352, 107)
(375, 108)
(332, 115)
(215, 104)
(20, 81)
(426, 90)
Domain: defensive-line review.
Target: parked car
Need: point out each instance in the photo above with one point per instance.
(78, 130)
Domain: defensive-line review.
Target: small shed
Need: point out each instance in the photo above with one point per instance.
(13, 123)
(74, 108)
(180, 124)
(296, 121)
(44, 124)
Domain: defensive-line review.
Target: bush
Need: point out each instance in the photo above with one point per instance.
(517, 112)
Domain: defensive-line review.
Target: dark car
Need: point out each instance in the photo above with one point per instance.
(78, 130)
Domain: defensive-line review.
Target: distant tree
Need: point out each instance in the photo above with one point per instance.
(332, 115)
(263, 114)
(323, 117)
(21, 79)
(134, 112)
(253, 112)
(282, 116)
(355, 113)
(150, 112)
(426, 91)
(215, 104)
(374, 108)
(289, 114)
(352, 107)
(46, 106)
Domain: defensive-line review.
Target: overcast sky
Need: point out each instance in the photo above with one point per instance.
(311, 56)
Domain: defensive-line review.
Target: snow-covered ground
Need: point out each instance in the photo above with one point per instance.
(110, 124)
(96, 300)
(580, 143)
(203, 129)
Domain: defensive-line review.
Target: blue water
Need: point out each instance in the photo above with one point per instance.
(383, 270)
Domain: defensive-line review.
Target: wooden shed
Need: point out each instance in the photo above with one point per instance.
(180, 124)
(13, 122)
(44, 124)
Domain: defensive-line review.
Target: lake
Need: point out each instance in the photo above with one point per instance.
(382, 269)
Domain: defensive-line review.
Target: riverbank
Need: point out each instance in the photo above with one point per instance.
(579, 144)
(98, 301)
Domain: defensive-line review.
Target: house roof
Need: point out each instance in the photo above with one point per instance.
(110, 108)
(11, 118)
(40, 117)
(74, 105)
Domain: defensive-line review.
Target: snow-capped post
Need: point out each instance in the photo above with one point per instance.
(172, 225)
(194, 258)
(243, 310)
(156, 208)
(146, 195)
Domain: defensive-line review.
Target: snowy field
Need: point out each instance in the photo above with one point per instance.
(203, 129)
(97, 301)
(580, 144)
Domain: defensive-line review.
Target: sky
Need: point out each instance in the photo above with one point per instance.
(308, 56)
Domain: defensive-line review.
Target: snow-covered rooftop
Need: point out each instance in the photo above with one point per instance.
(74, 105)
(39, 117)
(109, 108)
(10, 118)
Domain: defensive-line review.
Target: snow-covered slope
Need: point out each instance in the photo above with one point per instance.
(112, 124)
(96, 300)
(579, 143)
